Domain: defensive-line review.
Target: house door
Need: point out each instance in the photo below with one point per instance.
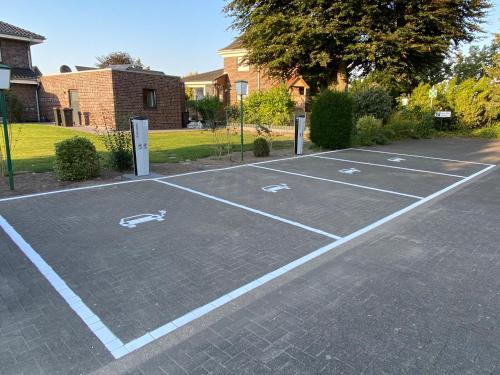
(74, 103)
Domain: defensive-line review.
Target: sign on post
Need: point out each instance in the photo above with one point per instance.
(300, 128)
(140, 147)
(442, 114)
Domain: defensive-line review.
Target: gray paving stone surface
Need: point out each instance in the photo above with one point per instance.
(334, 208)
(138, 279)
(419, 295)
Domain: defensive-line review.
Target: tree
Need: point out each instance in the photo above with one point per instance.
(475, 64)
(119, 58)
(325, 41)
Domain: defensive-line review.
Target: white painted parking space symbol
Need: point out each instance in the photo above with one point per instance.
(349, 170)
(275, 188)
(396, 160)
(132, 221)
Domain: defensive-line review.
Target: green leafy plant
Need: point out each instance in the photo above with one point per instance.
(76, 159)
(472, 103)
(373, 101)
(411, 124)
(211, 110)
(331, 120)
(369, 131)
(272, 107)
(260, 147)
(118, 143)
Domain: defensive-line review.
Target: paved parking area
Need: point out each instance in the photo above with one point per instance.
(292, 266)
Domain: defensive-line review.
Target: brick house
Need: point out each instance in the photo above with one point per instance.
(221, 82)
(107, 97)
(15, 51)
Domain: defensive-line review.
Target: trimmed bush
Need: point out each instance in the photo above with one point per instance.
(369, 131)
(411, 124)
(272, 107)
(76, 159)
(331, 120)
(119, 145)
(260, 147)
(373, 101)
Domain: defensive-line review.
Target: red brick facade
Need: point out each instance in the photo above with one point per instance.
(257, 80)
(15, 53)
(26, 94)
(108, 97)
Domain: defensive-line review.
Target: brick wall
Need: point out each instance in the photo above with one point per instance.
(95, 90)
(15, 53)
(26, 94)
(128, 89)
(252, 76)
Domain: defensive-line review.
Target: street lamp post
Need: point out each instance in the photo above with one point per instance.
(5, 85)
(241, 90)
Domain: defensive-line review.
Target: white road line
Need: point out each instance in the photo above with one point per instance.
(262, 213)
(72, 189)
(205, 309)
(159, 178)
(421, 156)
(93, 322)
(390, 166)
(339, 182)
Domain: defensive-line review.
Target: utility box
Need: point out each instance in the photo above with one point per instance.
(140, 145)
(300, 128)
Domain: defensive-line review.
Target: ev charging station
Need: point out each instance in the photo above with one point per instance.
(140, 146)
(300, 127)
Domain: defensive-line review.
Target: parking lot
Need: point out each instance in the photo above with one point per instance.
(134, 262)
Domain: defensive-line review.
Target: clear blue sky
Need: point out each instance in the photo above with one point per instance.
(175, 36)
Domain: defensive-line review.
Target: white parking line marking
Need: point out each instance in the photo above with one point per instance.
(103, 333)
(421, 156)
(390, 166)
(205, 309)
(338, 182)
(262, 213)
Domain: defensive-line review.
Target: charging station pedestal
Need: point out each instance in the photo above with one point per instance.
(140, 146)
(300, 127)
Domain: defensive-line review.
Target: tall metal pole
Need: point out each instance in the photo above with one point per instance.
(3, 109)
(241, 125)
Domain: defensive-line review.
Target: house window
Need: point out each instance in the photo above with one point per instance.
(149, 98)
(199, 93)
(242, 65)
(0, 51)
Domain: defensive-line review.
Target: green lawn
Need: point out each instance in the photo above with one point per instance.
(33, 145)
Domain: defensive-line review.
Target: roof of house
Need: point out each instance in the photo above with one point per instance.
(80, 68)
(6, 29)
(204, 77)
(293, 81)
(25, 73)
(236, 44)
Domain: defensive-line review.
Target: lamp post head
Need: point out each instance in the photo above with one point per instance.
(4, 77)
(241, 87)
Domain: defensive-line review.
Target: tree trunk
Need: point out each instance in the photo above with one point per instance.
(342, 78)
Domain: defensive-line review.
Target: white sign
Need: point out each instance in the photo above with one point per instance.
(349, 170)
(132, 221)
(140, 148)
(275, 188)
(397, 160)
(433, 93)
(300, 127)
(442, 114)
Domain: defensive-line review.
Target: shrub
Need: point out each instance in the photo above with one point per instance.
(331, 120)
(76, 159)
(271, 107)
(211, 110)
(369, 131)
(372, 101)
(472, 103)
(119, 145)
(260, 147)
(411, 124)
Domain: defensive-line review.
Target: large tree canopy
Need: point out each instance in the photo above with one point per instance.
(327, 40)
(118, 58)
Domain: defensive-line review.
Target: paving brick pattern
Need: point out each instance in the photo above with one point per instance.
(419, 297)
